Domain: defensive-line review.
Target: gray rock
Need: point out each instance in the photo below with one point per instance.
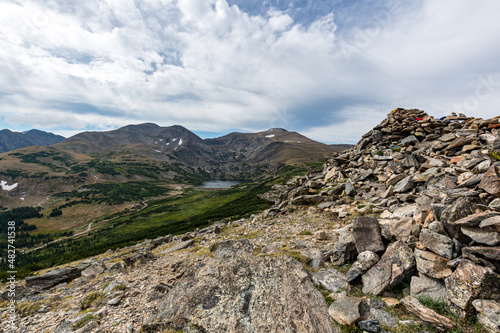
(88, 327)
(491, 224)
(116, 268)
(482, 236)
(345, 310)
(349, 188)
(495, 204)
(371, 325)
(409, 140)
(436, 227)
(489, 314)
(427, 287)
(243, 293)
(311, 199)
(367, 235)
(404, 185)
(63, 327)
(460, 208)
(55, 277)
(330, 279)
(115, 301)
(384, 318)
(363, 263)
(320, 235)
(94, 270)
(432, 264)
(416, 230)
(437, 243)
(447, 137)
(396, 264)
(180, 246)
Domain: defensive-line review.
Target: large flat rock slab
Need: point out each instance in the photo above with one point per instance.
(236, 291)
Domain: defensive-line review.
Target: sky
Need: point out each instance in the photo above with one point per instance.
(329, 69)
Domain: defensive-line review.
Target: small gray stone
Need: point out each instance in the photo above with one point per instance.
(320, 235)
(370, 326)
(436, 227)
(404, 185)
(495, 204)
(384, 317)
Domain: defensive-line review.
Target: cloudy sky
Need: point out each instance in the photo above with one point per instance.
(329, 69)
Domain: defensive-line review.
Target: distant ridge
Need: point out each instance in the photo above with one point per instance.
(10, 140)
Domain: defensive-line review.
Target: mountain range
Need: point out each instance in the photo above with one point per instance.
(151, 152)
(14, 140)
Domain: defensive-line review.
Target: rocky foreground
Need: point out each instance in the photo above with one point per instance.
(399, 234)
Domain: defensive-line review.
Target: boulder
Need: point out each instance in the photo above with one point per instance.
(488, 314)
(427, 287)
(243, 293)
(396, 264)
(432, 264)
(491, 180)
(345, 310)
(469, 282)
(367, 235)
(330, 279)
(437, 243)
(55, 277)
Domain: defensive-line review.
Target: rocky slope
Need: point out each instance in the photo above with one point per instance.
(408, 218)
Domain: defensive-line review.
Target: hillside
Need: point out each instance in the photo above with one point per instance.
(398, 234)
(14, 140)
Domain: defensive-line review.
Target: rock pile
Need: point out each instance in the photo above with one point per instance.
(434, 187)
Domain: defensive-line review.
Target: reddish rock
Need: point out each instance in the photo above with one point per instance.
(474, 220)
(491, 180)
(431, 264)
(427, 315)
(396, 264)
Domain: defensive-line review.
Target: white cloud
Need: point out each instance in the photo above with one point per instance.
(210, 66)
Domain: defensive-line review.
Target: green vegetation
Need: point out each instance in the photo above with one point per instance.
(173, 215)
(82, 322)
(90, 300)
(115, 193)
(442, 308)
(325, 292)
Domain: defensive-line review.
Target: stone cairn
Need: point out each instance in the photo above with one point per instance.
(424, 197)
